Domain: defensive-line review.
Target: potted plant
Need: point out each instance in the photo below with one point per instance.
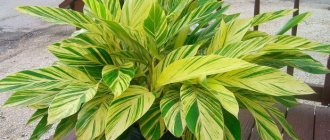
(182, 67)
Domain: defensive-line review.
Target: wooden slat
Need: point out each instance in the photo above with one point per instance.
(256, 11)
(247, 123)
(326, 90)
(301, 118)
(322, 123)
(290, 70)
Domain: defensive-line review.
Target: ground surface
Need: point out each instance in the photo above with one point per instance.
(24, 40)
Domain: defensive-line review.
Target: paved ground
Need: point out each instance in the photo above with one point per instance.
(23, 41)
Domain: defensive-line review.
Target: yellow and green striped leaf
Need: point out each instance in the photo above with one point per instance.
(31, 98)
(130, 56)
(296, 59)
(57, 15)
(118, 78)
(92, 117)
(152, 124)
(292, 42)
(156, 24)
(171, 108)
(280, 117)
(114, 7)
(268, 16)
(293, 22)
(264, 80)
(225, 96)
(68, 101)
(65, 127)
(232, 129)
(194, 67)
(43, 79)
(79, 55)
(265, 125)
(37, 115)
(243, 48)
(322, 48)
(196, 15)
(41, 128)
(187, 135)
(127, 109)
(131, 37)
(254, 34)
(177, 54)
(134, 13)
(174, 8)
(203, 113)
(105, 9)
(228, 33)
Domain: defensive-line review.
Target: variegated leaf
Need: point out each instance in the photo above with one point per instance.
(281, 119)
(202, 113)
(92, 117)
(171, 108)
(132, 38)
(37, 115)
(118, 78)
(57, 15)
(322, 48)
(156, 24)
(254, 34)
(42, 99)
(292, 42)
(225, 96)
(130, 56)
(77, 55)
(194, 67)
(69, 100)
(43, 79)
(196, 15)
(105, 9)
(114, 7)
(174, 8)
(242, 48)
(293, 22)
(265, 125)
(265, 17)
(65, 127)
(264, 80)
(296, 59)
(152, 124)
(232, 129)
(228, 33)
(177, 54)
(187, 135)
(127, 109)
(41, 128)
(134, 13)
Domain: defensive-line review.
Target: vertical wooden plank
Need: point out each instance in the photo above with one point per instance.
(247, 122)
(301, 117)
(326, 91)
(322, 123)
(296, 6)
(256, 11)
(290, 70)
